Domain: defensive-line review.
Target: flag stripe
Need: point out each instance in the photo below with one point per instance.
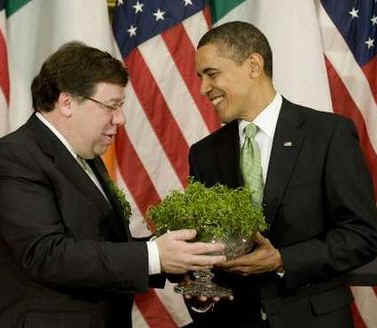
(357, 319)
(366, 302)
(343, 104)
(4, 74)
(219, 9)
(370, 72)
(14, 5)
(183, 55)
(163, 123)
(143, 193)
(154, 312)
(196, 26)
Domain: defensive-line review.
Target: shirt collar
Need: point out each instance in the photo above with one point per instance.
(267, 118)
(57, 134)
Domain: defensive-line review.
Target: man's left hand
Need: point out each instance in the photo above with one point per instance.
(264, 258)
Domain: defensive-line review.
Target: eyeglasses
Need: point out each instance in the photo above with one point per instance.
(112, 108)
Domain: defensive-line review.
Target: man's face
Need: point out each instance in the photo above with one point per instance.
(94, 125)
(226, 83)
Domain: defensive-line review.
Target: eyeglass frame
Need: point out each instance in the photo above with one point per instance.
(112, 108)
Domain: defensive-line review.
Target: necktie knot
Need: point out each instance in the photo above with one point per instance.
(251, 130)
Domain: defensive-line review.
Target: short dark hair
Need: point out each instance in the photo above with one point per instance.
(77, 69)
(242, 39)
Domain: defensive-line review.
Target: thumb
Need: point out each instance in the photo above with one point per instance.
(184, 234)
(259, 239)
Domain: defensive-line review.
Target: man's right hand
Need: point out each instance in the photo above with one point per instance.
(177, 255)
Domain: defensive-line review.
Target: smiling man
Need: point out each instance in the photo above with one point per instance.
(67, 258)
(305, 167)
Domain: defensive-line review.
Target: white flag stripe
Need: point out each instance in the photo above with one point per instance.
(3, 115)
(350, 73)
(63, 32)
(24, 47)
(3, 25)
(178, 98)
(195, 27)
(145, 142)
(366, 302)
(170, 300)
(138, 225)
(138, 319)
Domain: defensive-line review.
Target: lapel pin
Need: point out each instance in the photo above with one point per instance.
(288, 144)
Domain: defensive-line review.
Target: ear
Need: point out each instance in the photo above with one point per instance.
(256, 65)
(64, 104)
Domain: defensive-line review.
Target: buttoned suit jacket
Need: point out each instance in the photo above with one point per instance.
(66, 255)
(318, 201)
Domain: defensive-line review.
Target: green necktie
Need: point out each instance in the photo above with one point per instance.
(250, 162)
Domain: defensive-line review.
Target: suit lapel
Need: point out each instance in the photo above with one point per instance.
(102, 176)
(227, 153)
(67, 165)
(287, 143)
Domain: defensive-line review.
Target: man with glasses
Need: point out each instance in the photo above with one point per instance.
(67, 258)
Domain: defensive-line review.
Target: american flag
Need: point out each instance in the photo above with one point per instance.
(165, 114)
(4, 76)
(349, 36)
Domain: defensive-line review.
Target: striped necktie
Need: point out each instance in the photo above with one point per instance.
(250, 163)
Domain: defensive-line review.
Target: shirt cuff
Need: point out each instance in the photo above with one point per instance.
(154, 266)
(281, 274)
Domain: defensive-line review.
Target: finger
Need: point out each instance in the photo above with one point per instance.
(206, 260)
(232, 263)
(202, 248)
(240, 269)
(259, 239)
(184, 234)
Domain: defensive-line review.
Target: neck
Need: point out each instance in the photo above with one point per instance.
(263, 98)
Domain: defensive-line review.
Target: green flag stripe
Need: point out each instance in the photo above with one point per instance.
(219, 8)
(11, 6)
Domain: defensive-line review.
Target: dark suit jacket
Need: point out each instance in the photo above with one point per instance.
(318, 200)
(66, 258)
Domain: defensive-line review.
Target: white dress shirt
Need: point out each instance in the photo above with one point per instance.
(154, 266)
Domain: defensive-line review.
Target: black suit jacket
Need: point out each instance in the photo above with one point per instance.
(66, 256)
(318, 200)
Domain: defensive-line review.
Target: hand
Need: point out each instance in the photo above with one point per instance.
(179, 256)
(264, 258)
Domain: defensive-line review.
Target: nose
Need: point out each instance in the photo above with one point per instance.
(118, 117)
(205, 86)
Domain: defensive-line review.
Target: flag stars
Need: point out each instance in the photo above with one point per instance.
(374, 20)
(187, 2)
(132, 30)
(370, 43)
(159, 14)
(120, 2)
(138, 7)
(354, 13)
